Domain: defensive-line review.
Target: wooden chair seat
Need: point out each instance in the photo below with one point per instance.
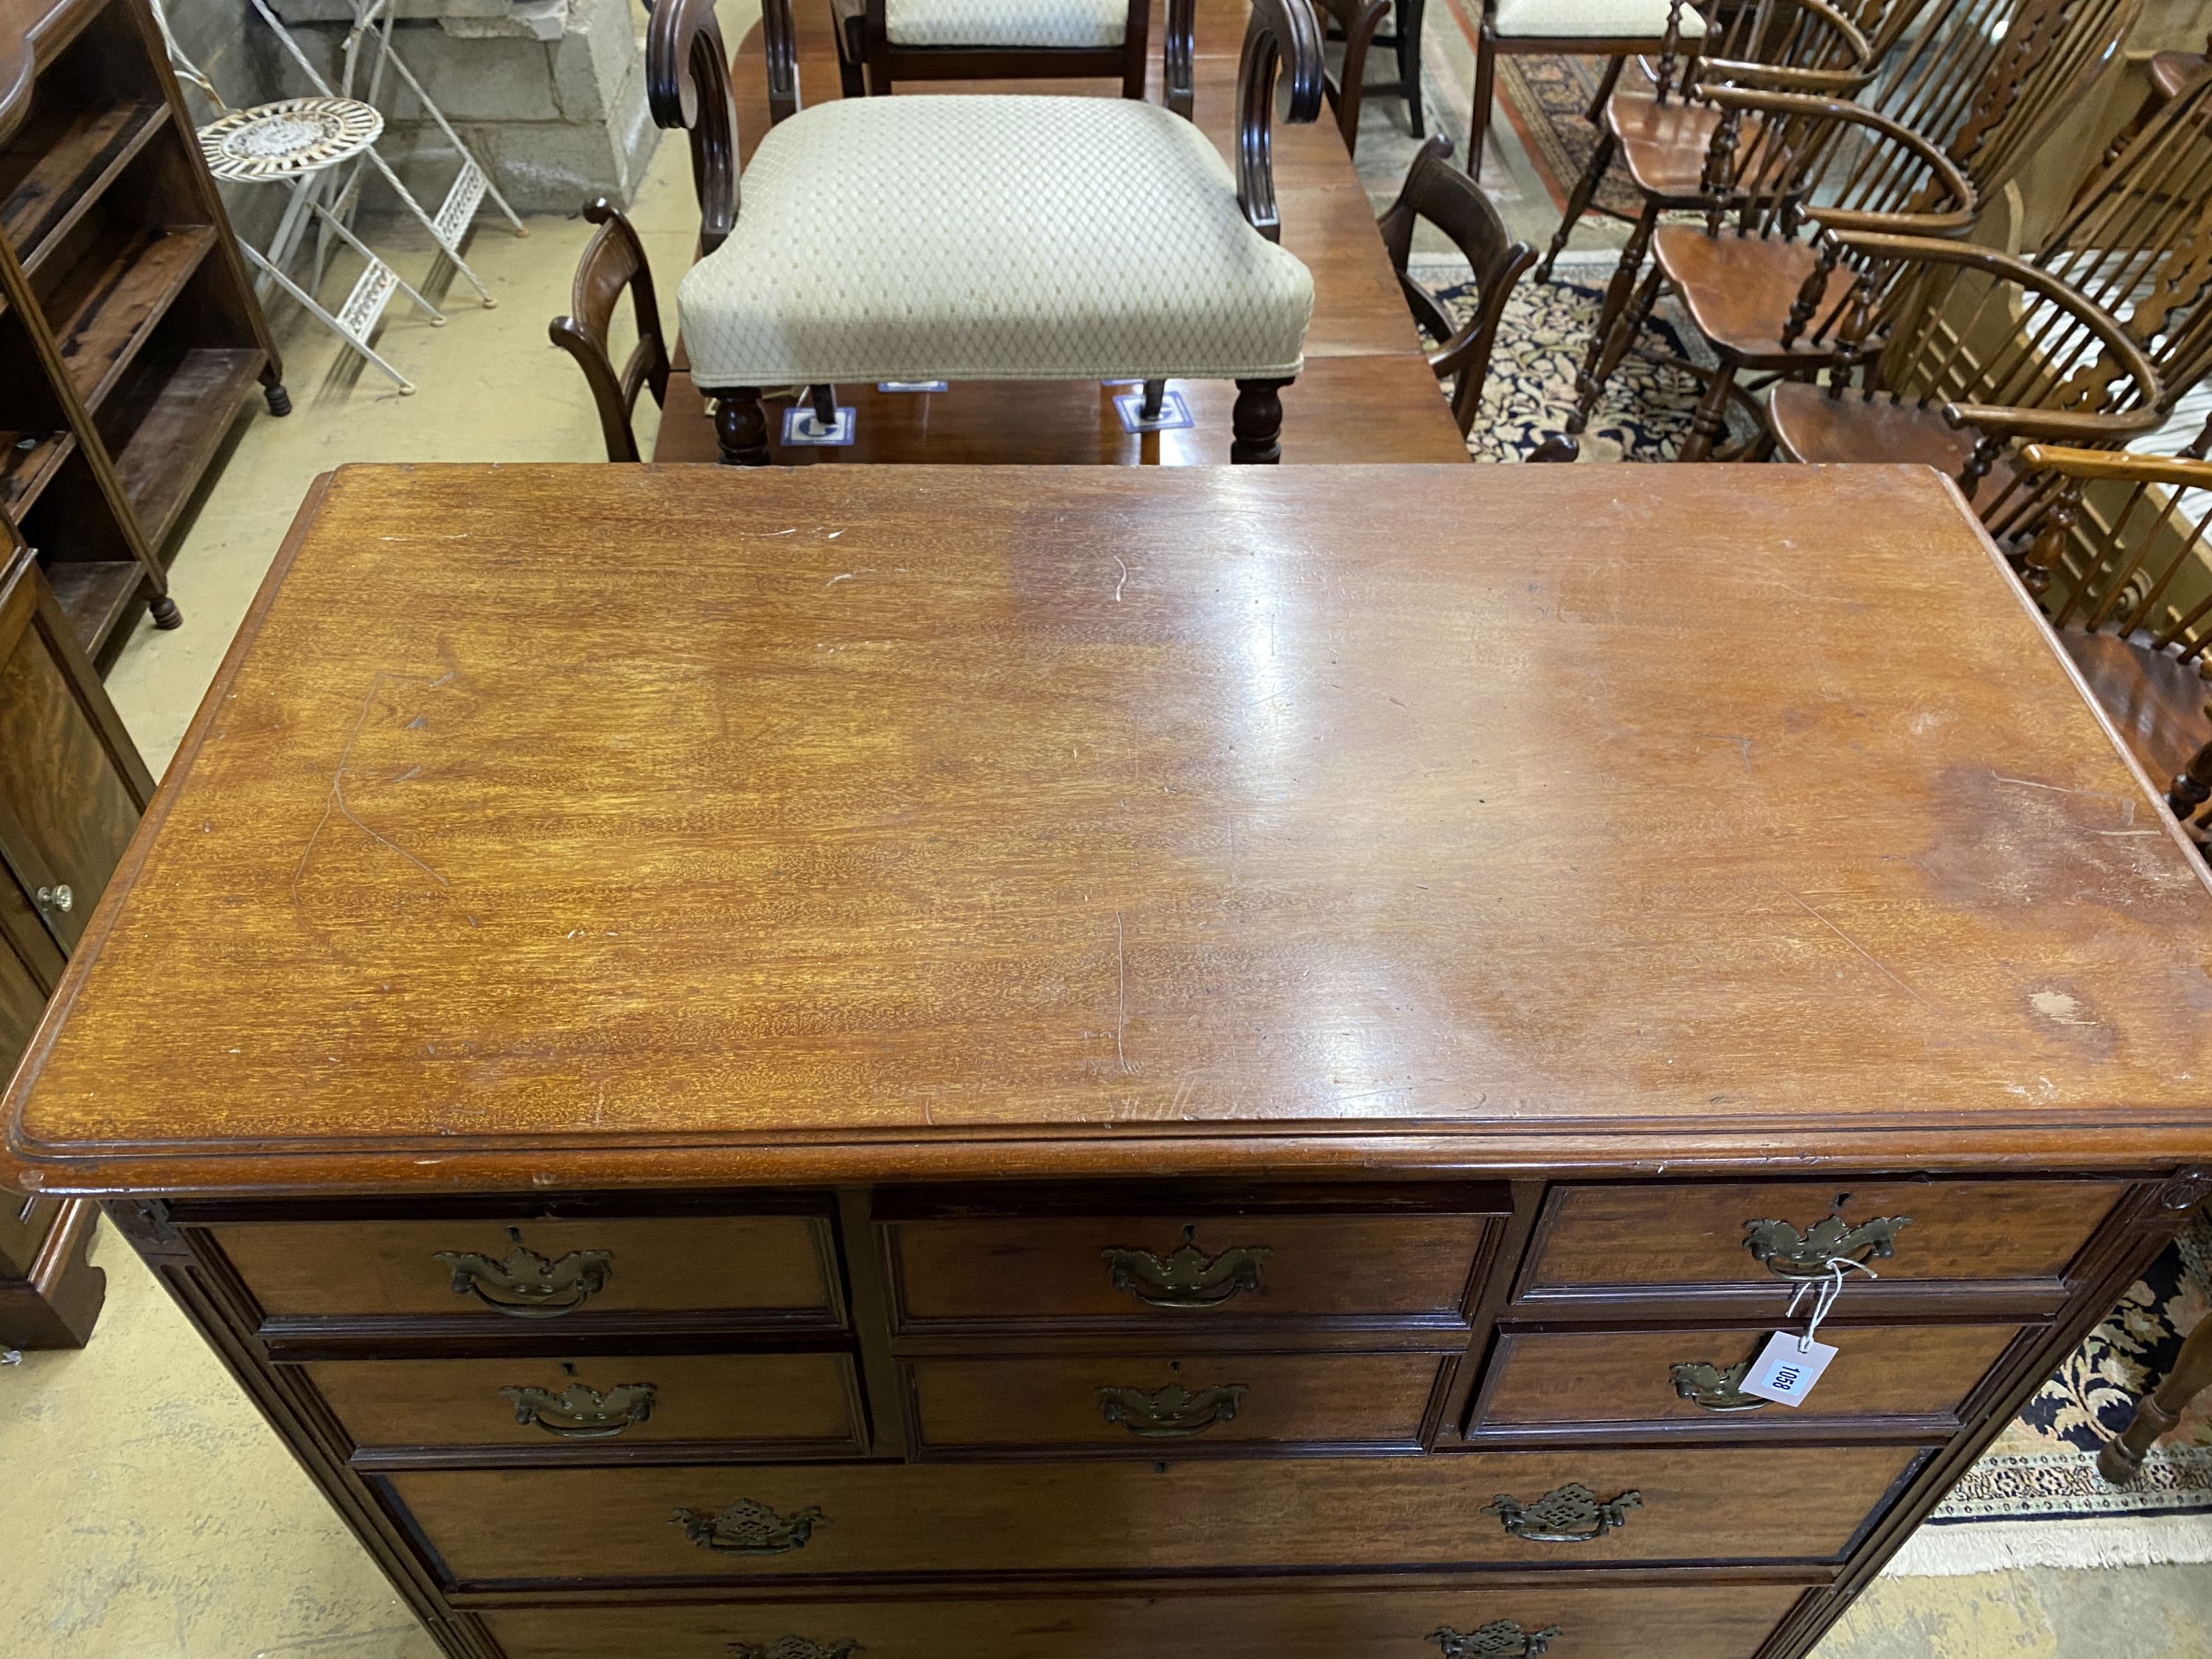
(2172, 73)
(1809, 425)
(1738, 290)
(1663, 145)
(2156, 700)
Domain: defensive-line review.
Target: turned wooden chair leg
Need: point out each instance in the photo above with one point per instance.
(1156, 400)
(1257, 422)
(1601, 358)
(825, 399)
(1578, 202)
(2157, 1411)
(164, 611)
(741, 427)
(1710, 420)
(2192, 786)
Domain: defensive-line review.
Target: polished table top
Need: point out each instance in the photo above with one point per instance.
(587, 825)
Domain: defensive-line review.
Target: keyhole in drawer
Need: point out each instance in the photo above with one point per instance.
(1175, 1364)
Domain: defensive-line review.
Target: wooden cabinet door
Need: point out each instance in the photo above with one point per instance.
(71, 785)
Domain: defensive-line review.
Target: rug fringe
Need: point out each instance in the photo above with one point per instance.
(1948, 1552)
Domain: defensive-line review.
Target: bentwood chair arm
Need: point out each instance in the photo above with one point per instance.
(2079, 426)
(686, 85)
(1283, 37)
(2090, 465)
(1949, 205)
(1359, 20)
(2056, 425)
(1179, 59)
(1704, 72)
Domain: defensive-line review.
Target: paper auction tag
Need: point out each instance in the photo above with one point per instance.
(1786, 1369)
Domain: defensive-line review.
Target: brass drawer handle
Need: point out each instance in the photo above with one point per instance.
(1501, 1639)
(578, 1412)
(748, 1527)
(1714, 1390)
(1189, 1278)
(526, 1285)
(1572, 1515)
(794, 1647)
(1173, 1413)
(1788, 1254)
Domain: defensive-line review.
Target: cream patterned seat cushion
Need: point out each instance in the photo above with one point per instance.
(1028, 23)
(991, 238)
(1579, 20)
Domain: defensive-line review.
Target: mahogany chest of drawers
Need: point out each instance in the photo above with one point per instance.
(1047, 1066)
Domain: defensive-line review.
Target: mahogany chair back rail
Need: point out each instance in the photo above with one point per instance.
(2117, 554)
(1448, 198)
(869, 61)
(614, 262)
(1357, 21)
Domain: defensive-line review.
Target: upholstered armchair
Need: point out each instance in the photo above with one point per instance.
(984, 238)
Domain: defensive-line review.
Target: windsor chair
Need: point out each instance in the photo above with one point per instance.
(1651, 116)
(1440, 194)
(1971, 97)
(2117, 562)
(1949, 373)
(940, 233)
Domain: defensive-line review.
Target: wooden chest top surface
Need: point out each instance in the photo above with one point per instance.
(593, 825)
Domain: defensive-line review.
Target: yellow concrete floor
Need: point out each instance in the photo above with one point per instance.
(146, 1512)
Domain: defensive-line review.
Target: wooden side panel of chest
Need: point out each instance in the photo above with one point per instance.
(1134, 1392)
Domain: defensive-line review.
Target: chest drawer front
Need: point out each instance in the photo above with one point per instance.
(787, 1403)
(1569, 1381)
(500, 1527)
(1156, 1405)
(1687, 1621)
(531, 1273)
(1049, 1272)
(1768, 1234)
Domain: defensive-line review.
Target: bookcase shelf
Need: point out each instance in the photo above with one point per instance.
(129, 338)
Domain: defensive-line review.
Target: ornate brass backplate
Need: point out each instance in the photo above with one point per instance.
(1501, 1639)
(794, 1647)
(1788, 1254)
(748, 1527)
(578, 1412)
(1571, 1515)
(526, 1285)
(1189, 1278)
(1715, 1389)
(1173, 1412)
